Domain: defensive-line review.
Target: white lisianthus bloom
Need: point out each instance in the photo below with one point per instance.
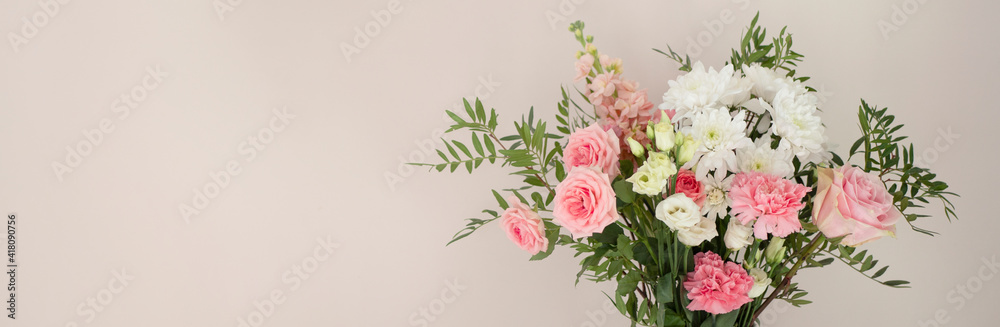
(760, 157)
(767, 82)
(661, 163)
(678, 212)
(719, 134)
(795, 120)
(648, 181)
(717, 201)
(699, 89)
(703, 231)
(760, 282)
(738, 236)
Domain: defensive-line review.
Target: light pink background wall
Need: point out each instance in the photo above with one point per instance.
(319, 178)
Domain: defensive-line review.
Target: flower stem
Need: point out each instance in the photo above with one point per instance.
(813, 245)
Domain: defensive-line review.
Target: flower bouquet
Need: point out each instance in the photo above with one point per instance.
(702, 209)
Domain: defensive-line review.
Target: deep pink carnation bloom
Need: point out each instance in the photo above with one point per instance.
(772, 201)
(715, 286)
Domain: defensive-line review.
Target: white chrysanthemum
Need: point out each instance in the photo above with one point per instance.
(717, 201)
(767, 82)
(795, 120)
(700, 89)
(760, 157)
(737, 91)
(719, 134)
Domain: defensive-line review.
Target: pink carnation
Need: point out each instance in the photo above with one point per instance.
(593, 147)
(690, 186)
(772, 201)
(585, 203)
(715, 286)
(524, 227)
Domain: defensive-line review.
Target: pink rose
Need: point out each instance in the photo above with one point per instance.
(593, 147)
(772, 201)
(524, 227)
(715, 286)
(585, 202)
(583, 67)
(852, 202)
(690, 186)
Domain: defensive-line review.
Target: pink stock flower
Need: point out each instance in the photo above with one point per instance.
(585, 203)
(772, 201)
(593, 147)
(602, 86)
(715, 286)
(852, 202)
(524, 227)
(690, 186)
(583, 67)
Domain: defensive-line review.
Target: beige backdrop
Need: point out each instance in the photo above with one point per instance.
(221, 162)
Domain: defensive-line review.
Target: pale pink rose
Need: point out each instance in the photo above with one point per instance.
(772, 201)
(583, 67)
(715, 286)
(585, 202)
(593, 147)
(851, 202)
(690, 186)
(524, 227)
(601, 87)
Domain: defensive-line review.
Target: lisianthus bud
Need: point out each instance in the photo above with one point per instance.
(649, 132)
(760, 282)
(636, 147)
(664, 134)
(687, 149)
(775, 251)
